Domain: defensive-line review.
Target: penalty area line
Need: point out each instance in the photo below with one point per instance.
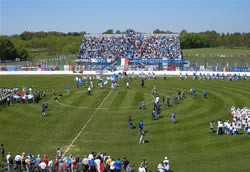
(84, 126)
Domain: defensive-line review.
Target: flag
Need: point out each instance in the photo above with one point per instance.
(106, 82)
(101, 167)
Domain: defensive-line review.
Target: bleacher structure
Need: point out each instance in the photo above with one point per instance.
(130, 50)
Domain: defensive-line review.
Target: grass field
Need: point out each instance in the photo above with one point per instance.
(188, 143)
(218, 56)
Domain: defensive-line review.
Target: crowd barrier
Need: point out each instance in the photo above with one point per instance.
(158, 73)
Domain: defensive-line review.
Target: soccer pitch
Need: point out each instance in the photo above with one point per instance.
(99, 122)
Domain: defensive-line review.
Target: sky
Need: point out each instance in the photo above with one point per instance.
(96, 16)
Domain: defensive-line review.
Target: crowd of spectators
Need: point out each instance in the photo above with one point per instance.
(94, 162)
(131, 45)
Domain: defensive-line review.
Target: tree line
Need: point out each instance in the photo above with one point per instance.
(28, 45)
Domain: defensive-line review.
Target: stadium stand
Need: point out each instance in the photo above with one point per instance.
(130, 45)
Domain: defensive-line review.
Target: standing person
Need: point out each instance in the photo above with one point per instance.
(89, 91)
(51, 165)
(142, 83)
(85, 164)
(2, 151)
(56, 164)
(43, 110)
(54, 91)
(44, 93)
(193, 92)
(112, 165)
(38, 160)
(58, 153)
(173, 117)
(141, 125)
(205, 94)
(46, 105)
(143, 104)
(118, 165)
(144, 163)
(153, 114)
(18, 159)
(168, 101)
(68, 88)
(91, 84)
(163, 100)
(10, 162)
(92, 166)
(125, 163)
(141, 134)
(141, 169)
(211, 127)
(127, 84)
(130, 122)
(158, 110)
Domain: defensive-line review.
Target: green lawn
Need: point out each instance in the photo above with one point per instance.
(226, 51)
(188, 144)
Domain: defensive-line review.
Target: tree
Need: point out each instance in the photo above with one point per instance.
(109, 31)
(26, 35)
(118, 32)
(193, 40)
(7, 49)
(158, 31)
(183, 31)
(9, 52)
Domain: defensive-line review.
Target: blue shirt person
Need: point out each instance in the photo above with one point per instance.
(141, 125)
(68, 88)
(118, 165)
(46, 105)
(153, 114)
(193, 92)
(43, 110)
(168, 101)
(205, 93)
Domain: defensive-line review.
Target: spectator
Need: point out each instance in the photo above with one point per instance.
(125, 163)
(2, 151)
(141, 169)
(10, 162)
(18, 159)
(85, 164)
(118, 165)
(58, 153)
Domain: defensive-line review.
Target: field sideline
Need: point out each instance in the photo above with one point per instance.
(188, 144)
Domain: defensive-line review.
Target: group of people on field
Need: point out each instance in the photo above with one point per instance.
(215, 76)
(240, 120)
(10, 96)
(93, 162)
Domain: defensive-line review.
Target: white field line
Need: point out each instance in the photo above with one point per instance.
(84, 126)
(122, 108)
